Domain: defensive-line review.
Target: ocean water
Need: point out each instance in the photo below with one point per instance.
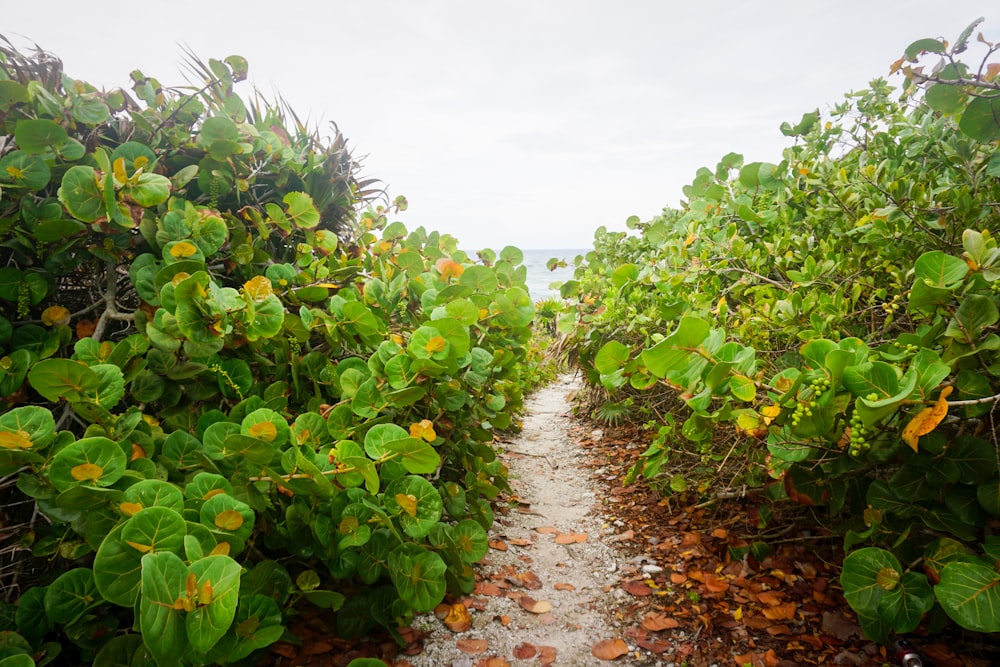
(540, 278)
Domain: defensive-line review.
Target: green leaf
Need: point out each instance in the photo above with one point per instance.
(28, 426)
(866, 576)
(227, 517)
(939, 269)
(207, 624)
(904, 606)
(945, 98)
(611, 357)
(39, 136)
(471, 540)
(95, 461)
(164, 578)
(81, 194)
(874, 377)
(379, 436)
(970, 594)
(417, 456)
(416, 503)
(975, 314)
(981, 119)
(25, 171)
(926, 45)
(70, 595)
(155, 529)
(418, 576)
(63, 378)
(301, 210)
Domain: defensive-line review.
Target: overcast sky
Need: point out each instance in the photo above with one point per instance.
(525, 122)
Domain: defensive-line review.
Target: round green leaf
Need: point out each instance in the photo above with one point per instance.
(39, 136)
(864, 577)
(301, 210)
(155, 529)
(70, 595)
(416, 455)
(24, 170)
(227, 516)
(981, 119)
(970, 594)
(164, 579)
(267, 425)
(93, 461)
(81, 194)
(211, 618)
(416, 502)
(611, 357)
(155, 493)
(27, 427)
(379, 436)
(471, 540)
(418, 576)
(946, 99)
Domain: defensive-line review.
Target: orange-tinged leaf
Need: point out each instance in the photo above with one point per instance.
(449, 268)
(128, 509)
(205, 593)
(458, 618)
(15, 440)
(655, 621)
(564, 587)
(408, 503)
(87, 471)
(137, 452)
(571, 538)
(213, 493)
(769, 597)
(348, 524)
(258, 288)
(678, 578)
(264, 431)
(228, 520)
(534, 606)
(55, 315)
(527, 580)
(472, 646)
(85, 328)
(926, 420)
(547, 530)
(499, 545)
(781, 612)
(609, 649)
(546, 655)
(436, 344)
(183, 249)
(715, 584)
(191, 584)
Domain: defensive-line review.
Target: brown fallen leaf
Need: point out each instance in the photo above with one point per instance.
(678, 578)
(547, 530)
(525, 651)
(472, 646)
(621, 537)
(778, 629)
(499, 545)
(771, 598)
(571, 538)
(637, 588)
(564, 587)
(609, 649)
(504, 620)
(535, 606)
(458, 619)
(486, 588)
(492, 661)
(782, 612)
(655, 645)
(525, 579)
(546, 655)
(442, 610)
(518, 542)
(655, 621)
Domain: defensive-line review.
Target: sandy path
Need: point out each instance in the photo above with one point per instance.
(556, 495)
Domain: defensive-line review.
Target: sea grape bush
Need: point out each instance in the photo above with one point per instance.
(226, 387)
(831, 322)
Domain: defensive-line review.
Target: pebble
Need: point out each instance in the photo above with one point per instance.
(652, 569)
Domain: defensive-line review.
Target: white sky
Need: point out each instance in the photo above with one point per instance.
(524, 122)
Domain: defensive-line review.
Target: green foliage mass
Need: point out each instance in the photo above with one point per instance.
(225, 390)
(829, 323)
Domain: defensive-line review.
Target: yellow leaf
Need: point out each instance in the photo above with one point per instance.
(179, 277)
(55, 315)
(436, 344)
(128, 509)
(140, 547)
(221, 549)
(14, 172)
(769, 412)
(191, 585)
(926, 420)
(87, 471)
(258, 288)
(212, 493)
(183, 249)
(738, 614)
(449, 268)
(408, 502)
(690, 239)
(119, 169)
(228, 520)
(423, 429)
(12, 440)
(264, 431)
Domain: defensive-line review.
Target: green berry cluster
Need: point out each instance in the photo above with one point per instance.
(858, 432)
(893, 305)
(804, 408)
(23, 299)
(995, 286)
